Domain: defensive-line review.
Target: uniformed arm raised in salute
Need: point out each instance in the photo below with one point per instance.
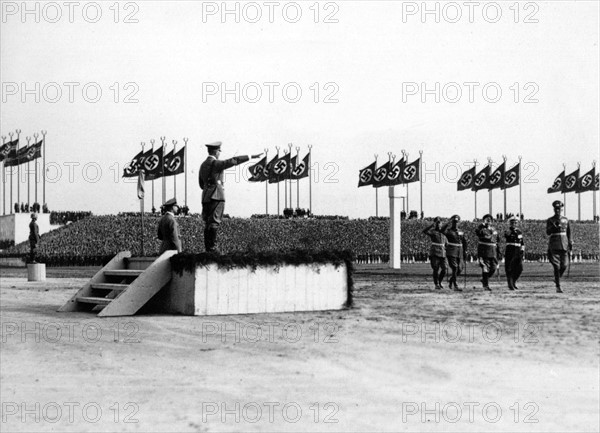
(211, 182)
(513, 253)
(437, 252)
(487, 250)
(456, 249)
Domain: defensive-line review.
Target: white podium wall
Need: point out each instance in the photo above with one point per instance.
(15, 227)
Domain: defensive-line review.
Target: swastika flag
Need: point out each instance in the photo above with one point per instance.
(366, 175)
(570, 183)
(557, 185)
(466, 180)
(512, 177)
(586, 182)
(412, 172)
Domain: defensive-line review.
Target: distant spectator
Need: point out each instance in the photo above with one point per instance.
(17, 209)
(45, 208)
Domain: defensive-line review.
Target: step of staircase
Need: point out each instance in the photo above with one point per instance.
(139, 263)
(123, 273)
(109, 286)
(93, 300)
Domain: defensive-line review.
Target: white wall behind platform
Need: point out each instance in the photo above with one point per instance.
(15, 227)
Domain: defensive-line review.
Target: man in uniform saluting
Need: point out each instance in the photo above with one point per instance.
(213, 193)
(487, 250)
(560, 243)
(456, 250)
(437, 252)
(513, 254)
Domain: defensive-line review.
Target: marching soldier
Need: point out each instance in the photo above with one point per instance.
(560, 243)
(168, 231)
(487, 250)
(437, 252)
(513, 254)
(456, 250)
(213, 193)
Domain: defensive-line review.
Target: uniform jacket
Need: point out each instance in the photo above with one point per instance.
(211, 176)
(168, 233)
(457, 244)
(438, 242)
(514, 236)
(488, 242)
(559, 230)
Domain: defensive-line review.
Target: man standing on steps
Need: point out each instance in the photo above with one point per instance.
(487, 250)
(437, 252)
(560, 243)
(168, 231)
(456, 251)
(213, 193)
(513, 254)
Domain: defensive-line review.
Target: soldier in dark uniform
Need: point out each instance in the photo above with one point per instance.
(168, 230)
(487, 250)
(437, 252)
(560, 243)
(34, 237)
(513, 254)
(456, 250)
(213, 193)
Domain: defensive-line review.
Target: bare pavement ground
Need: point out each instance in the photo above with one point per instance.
(405, 358)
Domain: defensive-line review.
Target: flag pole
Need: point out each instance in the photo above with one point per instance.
(407, 185)
(174, 176)
(44, 166)
(18, 170)
(290, 177)
(490, 191)
(594, 194)
(564, 194)
(141, 176)
(421, 179)
(376, 195)
(185, 157)
(266, 183)
(578, 198)
(520, 190)
(164, 183)
(310, 178)
(278, 210)
(35, 136)
(504, 159)
(28, 177)
(475, 161)
(12, 172)
(4, 183)
(152, 141)
(297, 180)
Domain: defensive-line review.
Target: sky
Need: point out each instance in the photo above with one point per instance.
(354, 79)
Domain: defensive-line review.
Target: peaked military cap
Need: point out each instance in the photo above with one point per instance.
(171, 202)
(455, 217)
(214, 146)
(487, 215)
(437, 220)
(557, 203)
(513, 218)
(33, 216)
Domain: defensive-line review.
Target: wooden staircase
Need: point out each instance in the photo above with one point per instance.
(123, 286)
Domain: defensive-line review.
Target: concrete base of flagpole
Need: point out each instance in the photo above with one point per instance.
(36, 272)
(395, 231)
